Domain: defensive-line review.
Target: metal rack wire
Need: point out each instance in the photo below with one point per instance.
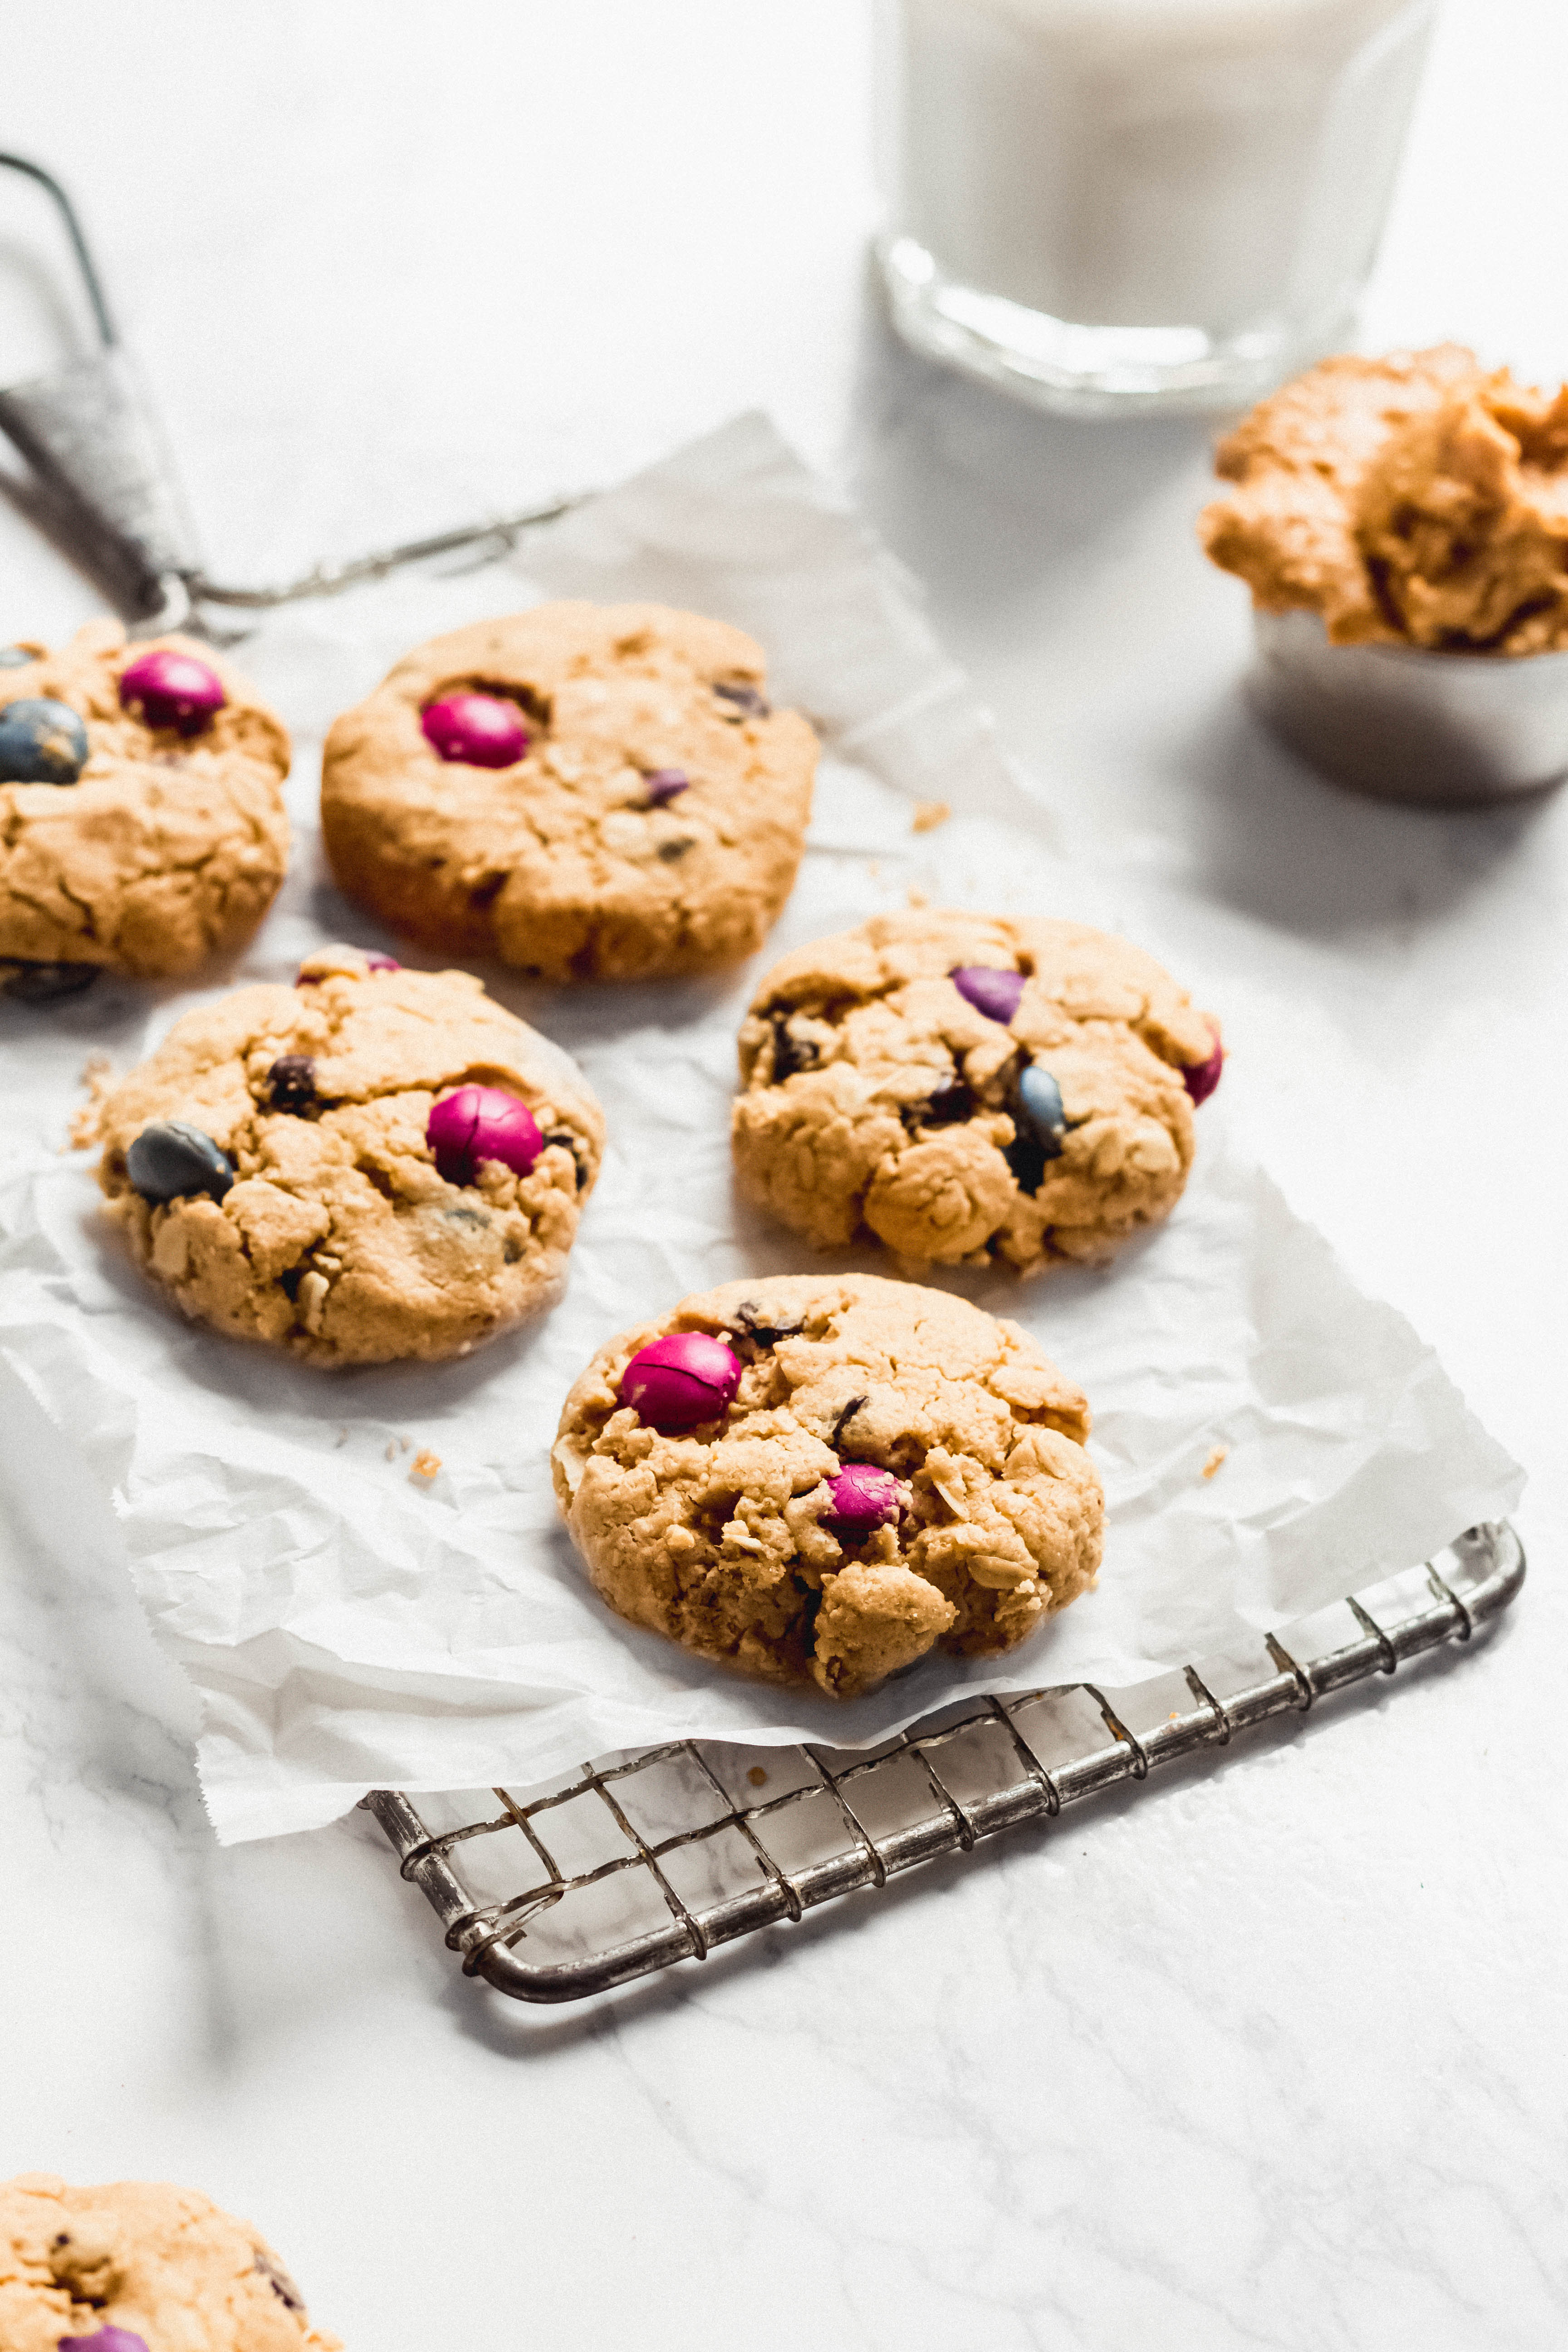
(553, 1894)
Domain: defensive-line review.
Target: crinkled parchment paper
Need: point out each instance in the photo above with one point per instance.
(348, 1625)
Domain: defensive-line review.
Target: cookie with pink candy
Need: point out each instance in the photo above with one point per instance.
(823, 1478)
(143, 830)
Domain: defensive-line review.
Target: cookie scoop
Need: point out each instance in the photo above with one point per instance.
(1400, 523)
(105, 2339)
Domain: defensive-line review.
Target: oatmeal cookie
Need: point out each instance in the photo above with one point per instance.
(136, 835)
(164, 2265)
(971, 1087)
(587, 791)
(879, 1470)
(372, 1164)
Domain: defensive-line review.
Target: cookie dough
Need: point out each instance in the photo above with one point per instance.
(162, 2263)
(337, 1237)
(652, 827)
(1418, 499)
(723, 1537)
(167, 850)
(876, 1094)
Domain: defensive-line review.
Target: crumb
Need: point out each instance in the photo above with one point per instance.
(1215, 1459)
(756, 1776)
(341, 1438)
(97, 1073)
(680, 1539)
(424, 1463)
(392, 1449)
(874, 870)
(929, 814)
(917, 896)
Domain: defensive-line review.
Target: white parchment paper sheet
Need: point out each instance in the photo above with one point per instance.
(347, 1627)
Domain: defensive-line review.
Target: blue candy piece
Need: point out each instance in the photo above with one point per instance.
(1042, 1101)
(15, 657)
(171, 1160)
(41, 743)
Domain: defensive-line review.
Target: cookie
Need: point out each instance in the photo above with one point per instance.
(587, 791)
(372, 1164)
(971, 1087)
(165, 2266)
(822, 1479)
(143, 831)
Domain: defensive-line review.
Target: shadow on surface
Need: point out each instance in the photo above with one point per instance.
(1279, 842)
(514, 2030)
(982, 491)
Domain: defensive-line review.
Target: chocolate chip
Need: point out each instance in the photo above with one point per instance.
(291, 1083)
(846, 1415)
(669, 851)
(278, 2280)
(749, 1324)
(27, 982)
(748, 702)
(790, 1052)
(172, 1161)
(946, 1108)
(576, 1147)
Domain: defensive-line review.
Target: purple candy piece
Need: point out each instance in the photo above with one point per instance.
(384, 964)
(171, 689)
(482, 730)
(1200, 1078)
(864, 1495)
(481, 1123)
(106, 2339)
(994, 993)
(663, 784)
(676, 1382)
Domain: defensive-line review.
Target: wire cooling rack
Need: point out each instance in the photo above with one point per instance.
(556, 1892)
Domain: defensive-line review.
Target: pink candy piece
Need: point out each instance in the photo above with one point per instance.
(375, 962)
(663, 784)
(105, 2339)
(994, 993)
(481, 1123)
(675, 1382)
(1200, 1078)
(171, 689)
(482, 730)
(865, 1496)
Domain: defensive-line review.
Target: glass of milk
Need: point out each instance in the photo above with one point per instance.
(1114, 204)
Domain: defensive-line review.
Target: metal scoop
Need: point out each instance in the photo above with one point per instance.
(101, 482)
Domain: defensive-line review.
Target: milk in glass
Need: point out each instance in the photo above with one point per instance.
(1109, 203)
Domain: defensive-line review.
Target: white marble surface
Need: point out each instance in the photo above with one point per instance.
(1271, 2054)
